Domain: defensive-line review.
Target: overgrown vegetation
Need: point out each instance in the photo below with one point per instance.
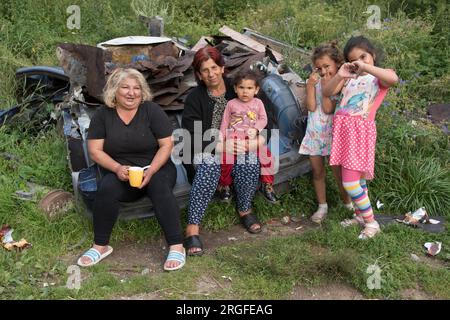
(412, 166)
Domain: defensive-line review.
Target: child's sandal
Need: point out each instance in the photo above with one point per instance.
(318, 217)
(369, 232)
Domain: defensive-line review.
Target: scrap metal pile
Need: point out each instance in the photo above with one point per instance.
(166, 64)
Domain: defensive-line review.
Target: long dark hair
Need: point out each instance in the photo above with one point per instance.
(365, 44)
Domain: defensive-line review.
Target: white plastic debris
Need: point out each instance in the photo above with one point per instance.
(418, 216)
(379, 204)
(433, 221)
(8, 236)
(232, 239)
(227, 278)
(285, 220)
(433, 248)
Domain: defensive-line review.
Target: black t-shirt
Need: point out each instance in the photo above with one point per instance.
(134, 144)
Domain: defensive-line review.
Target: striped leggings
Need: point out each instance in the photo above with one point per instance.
(356, 188)
(245, 175)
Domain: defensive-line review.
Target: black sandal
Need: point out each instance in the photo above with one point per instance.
(193, 242)
(248, 221)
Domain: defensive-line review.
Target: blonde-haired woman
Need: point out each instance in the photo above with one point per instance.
(132, 131)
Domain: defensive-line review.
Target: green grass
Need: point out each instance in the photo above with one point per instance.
(412, 166)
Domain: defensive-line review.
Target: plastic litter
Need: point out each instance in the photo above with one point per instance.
(379, 204)
(415, 218)
(7, 241)
(433, 248)
(286, 220)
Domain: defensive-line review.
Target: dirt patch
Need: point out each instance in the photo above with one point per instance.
(237, 233)
(130, 259)
(335, 291)
(416, 293)
(143, 296)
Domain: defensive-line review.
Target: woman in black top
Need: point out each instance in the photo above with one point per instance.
(132, 131)
(203, 110)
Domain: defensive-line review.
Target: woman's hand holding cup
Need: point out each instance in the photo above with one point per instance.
(122, 172)
(146, 179)
(139, 177)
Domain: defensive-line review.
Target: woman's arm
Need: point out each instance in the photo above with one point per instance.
(96, 153)
(160, 158)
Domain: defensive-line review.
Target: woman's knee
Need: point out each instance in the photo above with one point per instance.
(109, 186)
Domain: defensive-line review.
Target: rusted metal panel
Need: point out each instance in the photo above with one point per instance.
(249, 42)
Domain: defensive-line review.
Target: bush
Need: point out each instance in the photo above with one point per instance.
(412, 165)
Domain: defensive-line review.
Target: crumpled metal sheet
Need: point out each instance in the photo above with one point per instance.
(249, 42)
(167, 68)
(85, 65)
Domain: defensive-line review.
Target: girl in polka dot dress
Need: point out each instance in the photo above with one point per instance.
(363, 86)
(327, 59)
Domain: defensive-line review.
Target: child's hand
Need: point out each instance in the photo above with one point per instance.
(348, 70)
(252, 133)
(313, 79)
(359, 67)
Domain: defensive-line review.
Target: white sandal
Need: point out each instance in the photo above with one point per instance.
(318, 216)
(370, 230)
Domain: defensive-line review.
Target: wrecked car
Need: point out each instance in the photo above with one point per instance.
(166, 64)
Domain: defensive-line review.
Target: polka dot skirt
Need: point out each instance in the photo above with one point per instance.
(353, 145)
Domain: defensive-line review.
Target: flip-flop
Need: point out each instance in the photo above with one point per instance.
(248, 221)
(95, 256)
(193, 242)
(176, 256)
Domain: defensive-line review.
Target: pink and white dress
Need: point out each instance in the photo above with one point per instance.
(354, 129)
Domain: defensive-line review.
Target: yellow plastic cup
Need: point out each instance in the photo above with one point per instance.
(135, 176)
